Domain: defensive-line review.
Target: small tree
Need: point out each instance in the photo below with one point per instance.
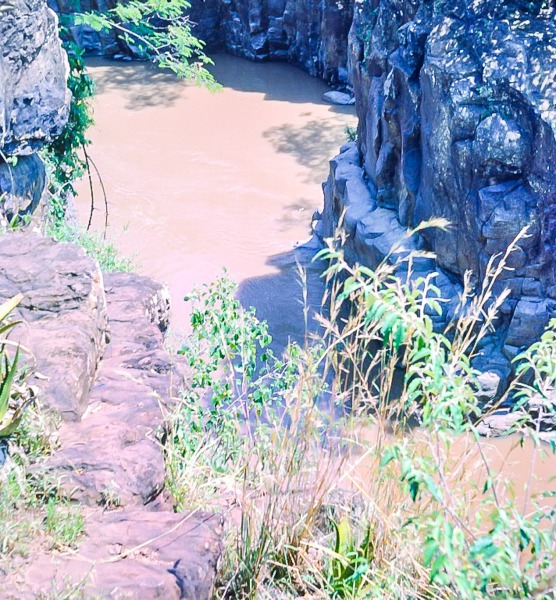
(157, 30)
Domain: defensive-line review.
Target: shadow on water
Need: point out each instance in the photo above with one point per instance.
(304, 207)
(144, 85)
(278, 81)
(286, 300)
(147, 86)
(308, 143)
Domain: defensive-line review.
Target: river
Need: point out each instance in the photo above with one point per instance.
(197, 182)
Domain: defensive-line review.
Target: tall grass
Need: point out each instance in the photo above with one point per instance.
(352, 467)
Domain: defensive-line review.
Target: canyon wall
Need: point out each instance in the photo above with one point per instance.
(457, 119)
(309, 33)
(34, 100)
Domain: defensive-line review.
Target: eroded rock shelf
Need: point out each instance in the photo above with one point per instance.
(97, 346)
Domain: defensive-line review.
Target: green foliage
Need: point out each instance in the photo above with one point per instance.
(350, 562)
(95, 245)
(413, 523)
(12, 398)
(351, 133)
(66, 164)
(538, 365)
(63, 523)
(227, 353)
(32, 511)
(157, 30)
(499, 550)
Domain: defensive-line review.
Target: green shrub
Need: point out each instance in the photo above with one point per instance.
(358, 503)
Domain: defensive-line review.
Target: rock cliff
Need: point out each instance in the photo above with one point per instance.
(309, 33)
(34, 100)
(457, 118)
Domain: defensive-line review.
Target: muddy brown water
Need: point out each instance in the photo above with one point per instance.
(197, 182)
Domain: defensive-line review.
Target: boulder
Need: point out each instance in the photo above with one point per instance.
(63, 314)
(528, 323)
(337, 97)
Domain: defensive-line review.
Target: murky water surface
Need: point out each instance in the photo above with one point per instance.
(198, 181)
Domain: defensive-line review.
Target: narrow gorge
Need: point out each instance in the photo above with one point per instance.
(361, 120)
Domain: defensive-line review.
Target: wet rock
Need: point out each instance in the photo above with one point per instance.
(501, 422)
(489, 387)
(63, 314)
(23, 186)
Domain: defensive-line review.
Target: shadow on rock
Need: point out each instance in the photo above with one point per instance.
(287, 300)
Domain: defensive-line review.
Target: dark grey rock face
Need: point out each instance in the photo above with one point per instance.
(93, 42)
(34, 99)
(309, 33)
(457, 119)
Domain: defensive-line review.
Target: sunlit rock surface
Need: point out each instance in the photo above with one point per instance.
(34, 99)
(457, 119)
(94, 344)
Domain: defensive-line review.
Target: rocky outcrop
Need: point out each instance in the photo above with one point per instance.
(309, 33)
(112, 455)
(63, 316)
(96, 342)
(34, 100)
(457, 119)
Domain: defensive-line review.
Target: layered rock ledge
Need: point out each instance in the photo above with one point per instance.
(100, 363)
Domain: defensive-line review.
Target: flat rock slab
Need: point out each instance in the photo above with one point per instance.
(340, 98)
(113, 456)
(133, 553)
(63, 315)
